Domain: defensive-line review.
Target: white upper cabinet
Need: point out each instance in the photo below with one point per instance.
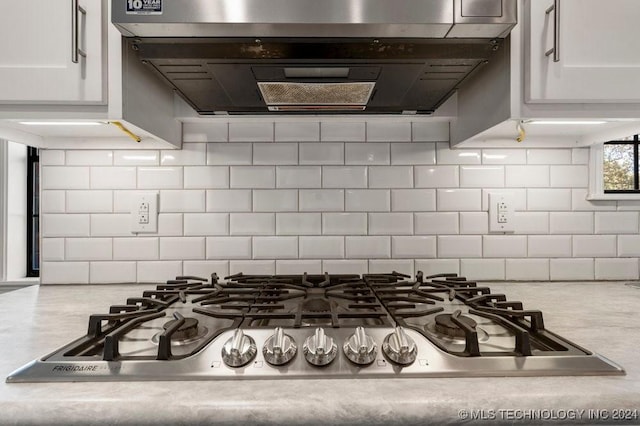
(597, 51)
(39, 59)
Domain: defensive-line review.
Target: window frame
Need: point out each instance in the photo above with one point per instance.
(33, 212)
(596, 175)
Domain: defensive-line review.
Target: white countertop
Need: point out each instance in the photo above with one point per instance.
(600, 316)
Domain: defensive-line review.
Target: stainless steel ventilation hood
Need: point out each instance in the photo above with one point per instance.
(346, 56)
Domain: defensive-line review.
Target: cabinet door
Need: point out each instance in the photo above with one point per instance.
(598, 46)
(36, 52)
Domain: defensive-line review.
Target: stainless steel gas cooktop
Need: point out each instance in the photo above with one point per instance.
(324, 326)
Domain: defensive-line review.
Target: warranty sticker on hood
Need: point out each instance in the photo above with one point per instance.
(144, 7)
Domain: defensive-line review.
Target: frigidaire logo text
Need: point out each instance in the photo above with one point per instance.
(76, 368)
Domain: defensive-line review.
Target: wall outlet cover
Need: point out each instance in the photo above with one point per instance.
(144, 213)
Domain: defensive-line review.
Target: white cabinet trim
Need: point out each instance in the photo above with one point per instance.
(3, 209)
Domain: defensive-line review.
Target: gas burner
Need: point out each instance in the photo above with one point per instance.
(445, 325)
(190, 331)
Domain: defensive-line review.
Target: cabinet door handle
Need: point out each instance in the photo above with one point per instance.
(76, 51)
(555, 8)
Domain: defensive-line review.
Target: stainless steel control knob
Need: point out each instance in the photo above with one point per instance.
(319, 349)
(399, 347)
(360, 347)
(279, 348)
(239, 350)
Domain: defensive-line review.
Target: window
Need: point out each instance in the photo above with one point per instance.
(620, 166)
(33, 217)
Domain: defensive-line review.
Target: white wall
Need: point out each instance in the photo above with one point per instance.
(17, 211)
(288, 196)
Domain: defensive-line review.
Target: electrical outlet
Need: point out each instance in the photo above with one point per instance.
(144, 212)
(501, 212)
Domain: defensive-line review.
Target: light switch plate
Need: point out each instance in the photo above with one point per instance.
(501, 217)
(144, 213)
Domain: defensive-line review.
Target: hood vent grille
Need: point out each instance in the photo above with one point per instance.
(284, 96)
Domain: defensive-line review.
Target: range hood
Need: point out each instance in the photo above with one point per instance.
(314, 56)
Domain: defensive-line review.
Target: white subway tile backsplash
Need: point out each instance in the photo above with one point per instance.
(382, 266)
(112, 178)
(256, 267)
(321, 247)
(170, 224)
(504, 246)
(122, 200)
(321, 200)
(531, 222)
(56, 177)
(64, 273)
(206, 177)
(69, 225)
(571, 269)
(344, 176)
(388, 132)
(438, 266)
(204, 268)
(186, 248)
(617, 269)
(52, 201)
(481, 176)
(504, 156)
(580, 156)
(474, 222)
(413, 153)
(368, 247)
(391, 177)
(298, 224)
(205, 132)
(527, 176)
(142, 248)
(191, 154)
(275, 247)
(275, 153)
(571, 223)
(410, 200)
(112, 272)
(549, 246)
(51, 157)
(253, 223)
(89, 158)
(616, 223)
(229, 154)
(160, 177)
(275, 200)
(229, 248)
(229, 200)
(629, 245)
(459, 199)
(579, 202)
(321, 153)
(519, 197)
(89, 201)
(299, 177)
(436, 223)
(368, 200)
(569, 176)
(177, 201)
(253, 177)
(625, 205)
(459, 246)
(298, 267)
(88, 249)
(444, 155)
(344, 223)
(345, 266)
(205, 224)
(251, 132)
(430, 132)
(413, 247)
(549, 156)
(136, 158)
(436, 176)
(483, 269)
(158, 271)
(111, 225)
(52, 249)
(390, 223)
(292, 131)
(527, 269)
(342, 132)
(594, 246)
(549, 199)
(367, 153)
